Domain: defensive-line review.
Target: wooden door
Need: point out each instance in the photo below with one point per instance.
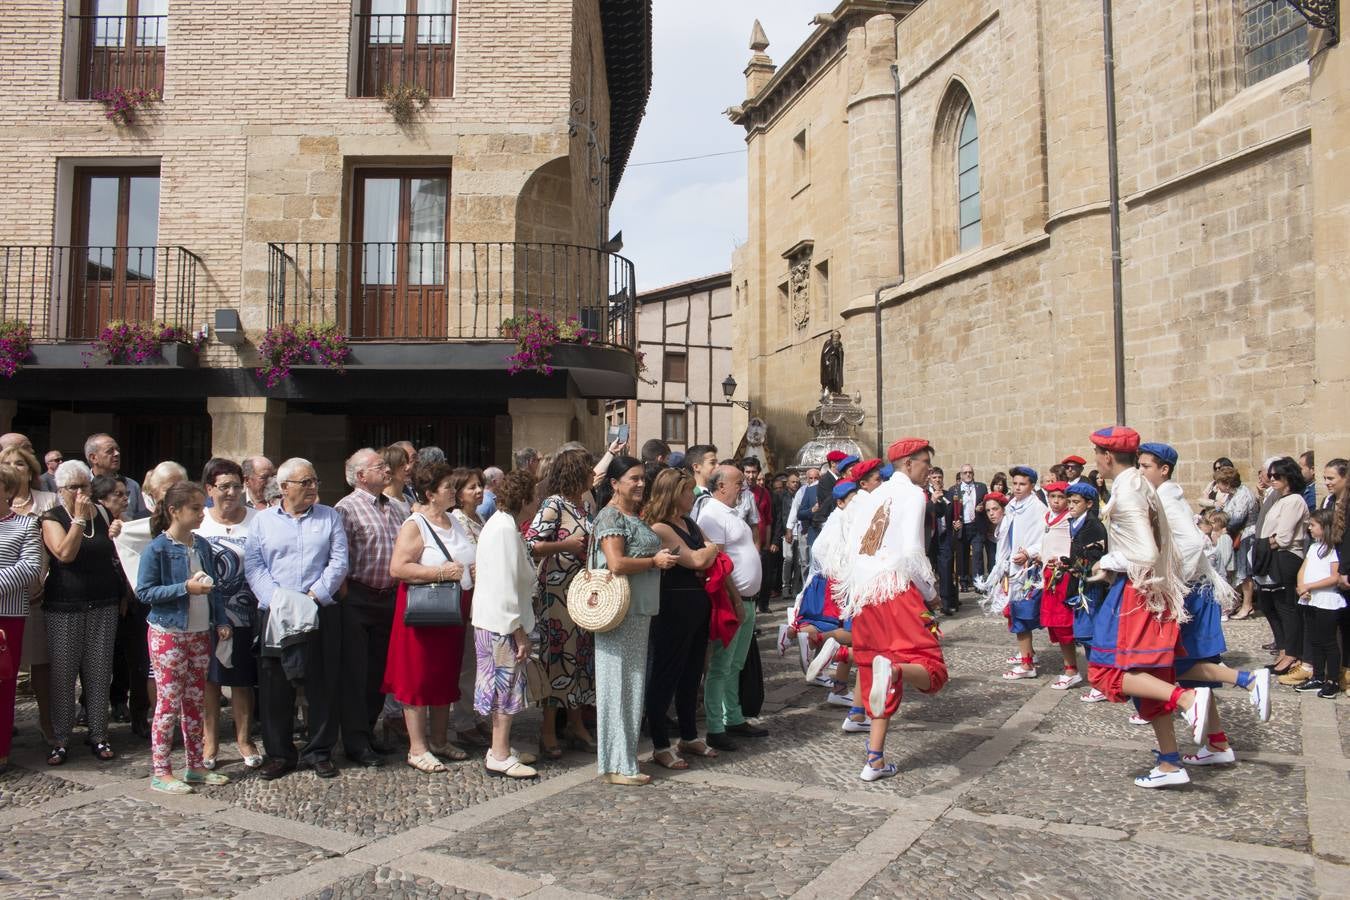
(408, 42)
(114, 256)
(402, 220)
(123, 45)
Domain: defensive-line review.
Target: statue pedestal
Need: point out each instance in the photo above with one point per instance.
(835, 422)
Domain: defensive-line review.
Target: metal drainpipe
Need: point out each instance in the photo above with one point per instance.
(1113, 186)
(900, 241)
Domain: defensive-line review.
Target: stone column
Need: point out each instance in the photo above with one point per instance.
(246, 426)
(546, 424)
(874, 257)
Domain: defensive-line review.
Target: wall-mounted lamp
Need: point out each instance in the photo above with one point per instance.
(728, 389)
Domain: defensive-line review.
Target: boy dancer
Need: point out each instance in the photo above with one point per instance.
(1087, 544)
(1207, 595)
(1019, 534)
(1135, 633)
(888, 588)
(1056, 615)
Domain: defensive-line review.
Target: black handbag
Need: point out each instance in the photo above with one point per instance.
(437, 604)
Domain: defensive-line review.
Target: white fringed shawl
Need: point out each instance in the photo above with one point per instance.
(1140, 545)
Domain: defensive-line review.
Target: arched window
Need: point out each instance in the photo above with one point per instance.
(968, 181)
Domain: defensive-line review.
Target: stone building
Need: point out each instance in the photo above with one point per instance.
(685, 337)
(413, 171)
(937, 174)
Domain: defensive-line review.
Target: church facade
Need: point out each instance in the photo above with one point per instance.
(936, 177)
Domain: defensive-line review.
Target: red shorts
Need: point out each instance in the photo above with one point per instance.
(1060, 634)
(905, 632)
(1108, 680)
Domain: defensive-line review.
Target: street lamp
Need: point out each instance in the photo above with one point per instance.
(729, 388)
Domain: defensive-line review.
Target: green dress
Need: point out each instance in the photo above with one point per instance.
(621, 654)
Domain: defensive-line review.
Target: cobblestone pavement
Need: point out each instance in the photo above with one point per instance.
(1006, 790)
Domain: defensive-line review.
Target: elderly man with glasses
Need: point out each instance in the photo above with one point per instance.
(297, 551)
(105, 458)
(970, 526)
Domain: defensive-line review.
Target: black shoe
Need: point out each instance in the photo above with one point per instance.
(120, 713)
(275, 768)
(720, 741)
(1310, 686)
(326, 768)
(370, 759)
(1270, 646)
(745, 729)
(763, 606)
(1329, 691)
(381, 748)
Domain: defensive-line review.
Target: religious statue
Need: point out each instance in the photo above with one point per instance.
(832, 365)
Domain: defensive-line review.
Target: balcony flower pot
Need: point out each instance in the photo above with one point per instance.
(16, 341)
(536, 334)
(291, 345)
(126, 344)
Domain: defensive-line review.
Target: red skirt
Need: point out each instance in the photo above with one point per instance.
(1056, 617)
(424, 662)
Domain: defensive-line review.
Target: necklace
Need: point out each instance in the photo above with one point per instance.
(16, 504)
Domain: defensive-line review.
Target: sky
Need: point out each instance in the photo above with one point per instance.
(682, 220)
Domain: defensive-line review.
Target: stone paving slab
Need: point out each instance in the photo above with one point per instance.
(1252, 802)
(130, 848)
(967, 699)
(24, 787)
(387, 881)
(670, 839)
(967, 859)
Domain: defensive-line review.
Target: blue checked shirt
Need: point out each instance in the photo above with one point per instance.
(302, 554)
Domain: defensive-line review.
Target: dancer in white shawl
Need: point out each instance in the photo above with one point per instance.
(1207, 595)
(1019, 597)
(1135, 632)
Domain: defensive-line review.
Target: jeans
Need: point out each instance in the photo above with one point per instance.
(1322, 627)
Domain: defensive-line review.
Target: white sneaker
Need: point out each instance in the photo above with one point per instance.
(853, 726)
(881, 687)
(823, 681)
(1157, 778)
(837, 699)
(511, 767)
(823, 659)
(1260, 694)
(1066, 681)
(784, 639)
(804, 648)
(1093, 696)
(1207, 757)
(872, 774)
(1197, 717)
(1137, 719)
(1018, 672)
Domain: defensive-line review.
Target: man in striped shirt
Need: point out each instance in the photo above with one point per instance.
(371, 520)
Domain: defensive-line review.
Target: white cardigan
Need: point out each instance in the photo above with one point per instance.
(503, 600)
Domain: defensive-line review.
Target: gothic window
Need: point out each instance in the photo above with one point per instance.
(968, 181)
(1272, 37)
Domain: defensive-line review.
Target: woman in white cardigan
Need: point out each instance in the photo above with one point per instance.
(503, 617)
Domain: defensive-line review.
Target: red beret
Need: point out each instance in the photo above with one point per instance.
(860, 470)
(1073, 460)
(907, 447)
(998, 497)
(1117, 439)
(835, 455)
(1056, 487)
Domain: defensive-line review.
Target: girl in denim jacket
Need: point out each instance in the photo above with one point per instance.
(184, 607)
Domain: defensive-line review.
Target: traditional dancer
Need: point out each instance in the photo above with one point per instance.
(1135, 633)
(1019, 534)
(1207, 595)
(888, 588)
(1087, 544)
(1053, 554)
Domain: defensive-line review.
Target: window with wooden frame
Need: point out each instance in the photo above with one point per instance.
(674, 426)
(122, 45)
(113, 257)
(675, 367)
(406, 43)
(401, 224)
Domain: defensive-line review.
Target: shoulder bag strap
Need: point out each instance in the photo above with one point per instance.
(436, 537)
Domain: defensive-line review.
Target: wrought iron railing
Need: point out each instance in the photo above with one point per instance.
(401, 49)
(120, 52)
(431, 290)
(70, 293)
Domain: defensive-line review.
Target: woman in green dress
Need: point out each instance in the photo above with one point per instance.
(625, 545)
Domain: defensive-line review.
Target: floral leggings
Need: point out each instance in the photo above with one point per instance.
(179, 661)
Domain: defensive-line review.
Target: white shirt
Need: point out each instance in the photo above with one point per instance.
(968, 495)
(745, 507)
(1186, 537)
(796, 507)
(503, 601)
(721, 525)
(1315, 568)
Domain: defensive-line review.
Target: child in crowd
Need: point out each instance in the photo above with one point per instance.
(184, 607)
(1321, 606)
(1053, 552)
(1018, 537)
(1087, 545)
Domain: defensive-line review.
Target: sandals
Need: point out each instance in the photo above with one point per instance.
(103, 750)
(632, 780)
(57, 756)
(426, 762)
(196, 776)
(551, 751)
(697, 748)
(667, 758)
(871, 772)
(576, 742)
(450, 751)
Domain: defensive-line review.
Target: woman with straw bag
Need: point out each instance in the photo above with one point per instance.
(626, 547)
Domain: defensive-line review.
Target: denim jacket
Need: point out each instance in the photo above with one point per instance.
(162, 582)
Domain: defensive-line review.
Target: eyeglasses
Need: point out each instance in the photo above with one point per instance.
(121, 493)
(228, 487)
(304, 482)
(76, 487)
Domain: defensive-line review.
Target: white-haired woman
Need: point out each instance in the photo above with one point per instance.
(83, 590)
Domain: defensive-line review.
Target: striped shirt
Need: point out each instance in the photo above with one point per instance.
(20, 562)
(371, 522)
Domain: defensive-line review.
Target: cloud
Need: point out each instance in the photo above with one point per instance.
(681, 220)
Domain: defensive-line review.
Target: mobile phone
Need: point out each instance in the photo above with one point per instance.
(623, 433)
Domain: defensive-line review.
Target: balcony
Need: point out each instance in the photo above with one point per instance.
(437, 305)
(401, 49)
(67, 294)
(120, 52)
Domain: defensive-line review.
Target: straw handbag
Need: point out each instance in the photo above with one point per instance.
(597, 600)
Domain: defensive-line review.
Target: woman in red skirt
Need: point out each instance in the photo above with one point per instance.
(424, 661)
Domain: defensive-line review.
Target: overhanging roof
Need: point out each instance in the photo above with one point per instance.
(627, 30)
